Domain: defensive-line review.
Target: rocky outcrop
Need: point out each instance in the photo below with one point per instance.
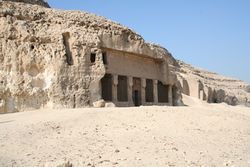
(34, 2)
(44, 60)
(44, 55)
(211, 87)
(247, 89)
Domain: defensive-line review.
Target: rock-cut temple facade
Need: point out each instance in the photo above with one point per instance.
(69, 59)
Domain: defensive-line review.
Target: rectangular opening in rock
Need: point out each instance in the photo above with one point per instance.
(136, 94)
(162, 93)
(149, 91)
(92, 57)
(104, 58)
(122, 89)
(106, 83)
(66, 37)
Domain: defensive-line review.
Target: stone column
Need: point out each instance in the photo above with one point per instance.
(201, 95)
(155, 91)
(143, 91)
(170, 95)
(114, 88)
(130, 90)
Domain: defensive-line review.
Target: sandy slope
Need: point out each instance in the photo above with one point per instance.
(201, 135)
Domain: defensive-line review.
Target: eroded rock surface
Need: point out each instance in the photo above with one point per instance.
(34, 2)
(45, 60)
(44, 55)
(212, 87)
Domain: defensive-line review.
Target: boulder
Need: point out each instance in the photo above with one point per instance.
(109, 104)
(231, 100)
(99, 104)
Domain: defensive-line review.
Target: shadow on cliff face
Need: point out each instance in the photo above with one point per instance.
(220, 96)
(247, 89)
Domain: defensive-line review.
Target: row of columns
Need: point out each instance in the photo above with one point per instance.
(143, 90)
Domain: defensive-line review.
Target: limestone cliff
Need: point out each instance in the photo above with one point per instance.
(212, 87)
(44, 59)
(44, 55)
(34, 2)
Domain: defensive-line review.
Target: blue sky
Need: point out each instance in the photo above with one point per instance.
(211, 34)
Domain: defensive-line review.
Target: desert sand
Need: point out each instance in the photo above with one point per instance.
(200, 134)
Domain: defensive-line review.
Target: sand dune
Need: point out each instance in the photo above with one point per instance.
(197, 135)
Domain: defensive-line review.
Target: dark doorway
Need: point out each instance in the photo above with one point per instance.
(106, 82)
(149, 90)
(162, 93)
(136, 94)
(104, 58)
(122, 88)
(92, 57)
(136, 98)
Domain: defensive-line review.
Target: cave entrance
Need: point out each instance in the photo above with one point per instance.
(162, 93)
(149, 90)
(122, 89)
(136, 95)
(106, 83)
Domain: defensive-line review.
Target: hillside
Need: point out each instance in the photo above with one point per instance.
(212, 87)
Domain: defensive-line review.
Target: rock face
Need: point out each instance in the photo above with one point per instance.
(248, 89)
(34, 2)
(71, 59)
(211, 87)
(45, 57)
